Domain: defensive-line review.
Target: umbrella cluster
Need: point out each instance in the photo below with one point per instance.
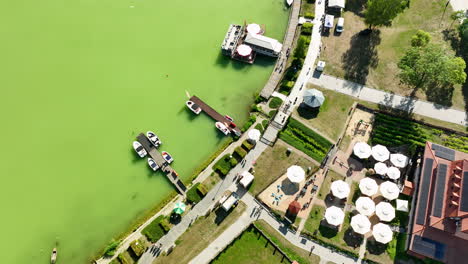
(365, 206)
(380, 153)
(334, 215)
(362, 150)
(385, 211)
(368, 186)
(360, 224)
(389, 190)
(382, 233)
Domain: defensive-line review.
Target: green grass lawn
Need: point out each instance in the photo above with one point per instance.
(335, 107)
(325, 187)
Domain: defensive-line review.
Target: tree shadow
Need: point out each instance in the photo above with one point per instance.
(404, 108)
(327, 231)
(375, 248)
(356, 7)
(352, 238)
(451, 36)
(440, 94)
(361, 55)
(221, 214)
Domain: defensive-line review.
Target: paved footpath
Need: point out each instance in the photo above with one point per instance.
(404, 103)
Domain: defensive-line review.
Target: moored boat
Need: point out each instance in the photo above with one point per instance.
(229, 118)
(139, 149)
(53, 257)
(289, 2)
(223, 128)
(193, 107)
(153, 164)
(153, 138)
(167, 157)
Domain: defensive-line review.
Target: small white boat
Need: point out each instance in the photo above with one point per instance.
(193, 107)
(229, 118)
(167, 157)
(153, 164)
(223, 128)
(139, 149)
(289, 2)
(153, 138)
(53, 257)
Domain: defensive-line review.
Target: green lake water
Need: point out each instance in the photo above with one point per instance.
(79, 80)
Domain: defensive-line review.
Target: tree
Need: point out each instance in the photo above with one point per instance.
(463, 31)
(457, 15)
(382, 12)
(430, 65)
(301, 48)
(421, 39)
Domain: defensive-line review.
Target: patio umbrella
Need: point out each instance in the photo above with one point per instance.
(244, 50)
(313, 98)
(179, 208)
(382, 233)
(368, 186)
(385, 211)
(365, 206)
(389, 190)
(399, 160)
(380, 153)
(295, 174)
(393, 173)
(254, 134)
(340, 189)
(380, 168)
(254, 28)
(362, 150)
(402, 205)
(334, 215)
(360, 224)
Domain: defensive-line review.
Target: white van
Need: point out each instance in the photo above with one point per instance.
(340, 25)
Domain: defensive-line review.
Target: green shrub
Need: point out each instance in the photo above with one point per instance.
(254, 108)
(192, 194)
(301, 48)
(306, 28)
(138, 247)
(202, 190)
(233, 162)
(247, 146)
(258, 98)
(275, 102)
(166, 226)
(249, 123)
(154, 231)
(272, 113)
(265, 123)
(259, 127)
(309, 15)
(122, 259)
(109, 251)
(239, 151)
(223, 165)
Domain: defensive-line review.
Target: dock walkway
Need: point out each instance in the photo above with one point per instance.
(162, 163)
(275, 76)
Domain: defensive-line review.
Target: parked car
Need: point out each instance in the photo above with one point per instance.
(340, 25)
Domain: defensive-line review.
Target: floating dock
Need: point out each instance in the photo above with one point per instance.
(215, 115)
(162, 163)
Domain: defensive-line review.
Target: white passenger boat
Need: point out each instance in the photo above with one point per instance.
(139, 149)
(289, 2)
(193, 107)
(153, 138)
(223, 128)
(153, 164)
(167, 157)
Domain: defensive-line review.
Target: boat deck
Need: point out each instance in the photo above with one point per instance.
(163, 165)
(214, 114)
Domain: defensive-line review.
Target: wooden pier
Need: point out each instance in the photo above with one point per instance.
(214, 114)
(162, 163)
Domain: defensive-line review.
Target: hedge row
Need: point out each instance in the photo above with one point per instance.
(321, 140)
(393, 131)
(297, 143)
(154, 231)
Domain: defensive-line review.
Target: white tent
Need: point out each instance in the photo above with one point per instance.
(340, 189)
(389, 190)
(296, 174)
(385, 211)
(254, 134)
(380, 168)
(393, 173)
(246, 178)
(334, 215)
(365, 206)
(380, 153)
(399, 160)
(368, 186)
(382, 233)
(362, 150)
(254, 28)
(360, 224)
(402, 205)
(336, 3)
(329, 21)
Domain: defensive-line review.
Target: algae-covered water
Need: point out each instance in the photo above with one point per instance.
(79, 80)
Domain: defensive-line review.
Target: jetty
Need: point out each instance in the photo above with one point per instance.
(215, 115)
(162, 163)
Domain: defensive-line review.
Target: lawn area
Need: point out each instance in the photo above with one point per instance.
(372, 60)
(315, 216)
(273, 163)
(325, 187)
(295, 253)
(335, 107)
(200, 235)
(307, 6)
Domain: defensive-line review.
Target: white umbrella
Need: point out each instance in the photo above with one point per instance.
(365, 206)
(380, 153)
(393, 173)
(380, 168)
(360, 224)
(254, 134)
(382, 233)
(368, 186)
(296, 174)
(402, 205)
(340, 189)
(362, 150)
(389, 190)
(254, 28)
(399, 160)
(385, 211)
(334, 215)
(244, 50)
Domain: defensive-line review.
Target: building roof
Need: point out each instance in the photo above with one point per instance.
(264, 42)
(294, 207)
(246, 179)
(336, 3)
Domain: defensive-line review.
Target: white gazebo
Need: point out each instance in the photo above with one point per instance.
(382, 233)
(380, 153)
(360, 224)
(362, 150)
(385, 211)
(365, 206)
(380, 168)
(334, 215)
(368, 186)
(399, 160)
(389, 190)
(393, 173)
(340, 189)
(254, 135)
(402, 205)
(296, 174)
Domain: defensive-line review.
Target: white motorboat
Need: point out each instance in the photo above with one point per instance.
(167, 157)
(223, 128)
(193, 107)
(153, 164)
(153, 138)
(139, 149)
(289, 2)
(53, 257)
